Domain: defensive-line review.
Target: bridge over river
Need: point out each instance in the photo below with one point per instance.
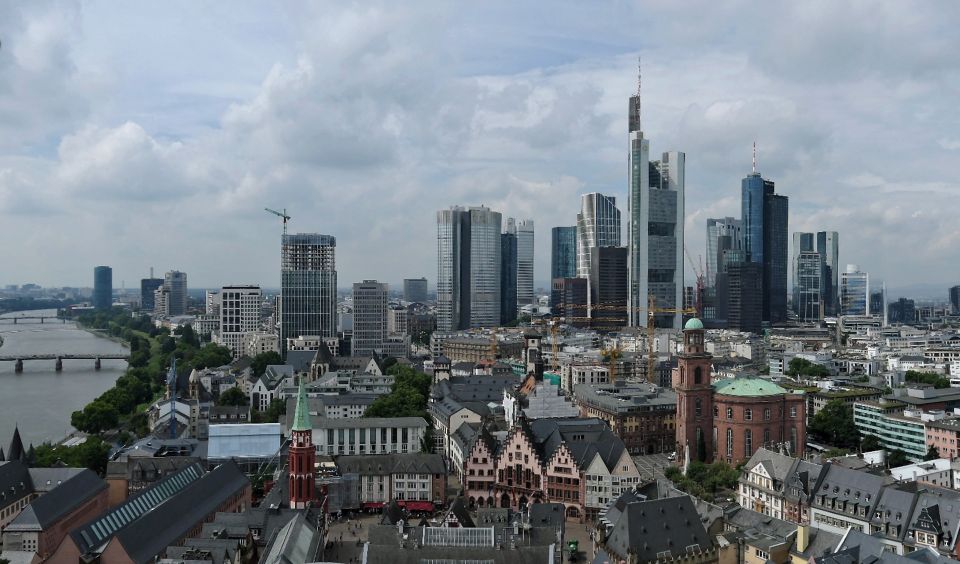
(30, 318)
(19, 359)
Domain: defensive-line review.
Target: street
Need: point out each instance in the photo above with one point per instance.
(651, 465)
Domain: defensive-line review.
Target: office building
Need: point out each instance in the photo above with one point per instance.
(878, 303)
(415, 290)
(211, 303)
(828, 245)
(239, 315)
(598, 225)
(563, 252)
(765, 228)
(810, 282)
(369, 318)
(308, 286)
(569, 298)
(372, 435)
(855, 292)
(161, 301)
(722, 233)
(148, 286)
(525, 263)
(655, 230)
(102, 287)
(508, 274)
(739, 295)
(468, 268)
(608, 288)
(175, 283)
(903, 311)
(955, 300)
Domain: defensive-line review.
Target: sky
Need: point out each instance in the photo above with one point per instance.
(136, 134)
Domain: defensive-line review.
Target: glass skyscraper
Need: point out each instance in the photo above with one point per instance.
(308, 278)
(508, 274)
(524, 262)
(102, 287)
(598, 225)
(828, 245)
(369, 318)
(810, 280)
(855, 292)
(563, 252)
(764, 214)
(468, 268)
(717, 228)
(175, 283)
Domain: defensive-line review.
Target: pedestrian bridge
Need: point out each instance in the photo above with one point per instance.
(59, 358)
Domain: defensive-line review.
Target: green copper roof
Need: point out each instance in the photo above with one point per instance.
(301, 417)
(693, 323)
(748, 387)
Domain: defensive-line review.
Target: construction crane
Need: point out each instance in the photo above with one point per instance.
(652, 311)
(282, 215)
(613, 354)
(554, 348)
(698, 297)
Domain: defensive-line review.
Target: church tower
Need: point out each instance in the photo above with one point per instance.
(691, 381)
(303, 456)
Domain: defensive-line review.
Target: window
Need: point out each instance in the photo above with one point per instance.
(698, 407)
(766, 414)
(729, 413)
(793, 412)
(729, 442)
(747, 443)
(766, 436)
(747, 414)
(716, 411)
(697, 375)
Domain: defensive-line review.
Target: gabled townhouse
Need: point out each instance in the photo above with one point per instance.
(448, 415)
(266, 388)
(778, 485)
(845, 498)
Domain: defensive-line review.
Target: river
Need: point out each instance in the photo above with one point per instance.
(40, 400)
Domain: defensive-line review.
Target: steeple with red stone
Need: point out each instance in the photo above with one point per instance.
(303, 456)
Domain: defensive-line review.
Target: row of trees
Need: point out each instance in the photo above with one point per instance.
(704, 480)
(801, 367)
(407, 398)
(936, 380)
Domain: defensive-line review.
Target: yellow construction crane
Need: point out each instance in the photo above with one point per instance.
(613, 354)
(554, 348)
(652, 311)
(282, 215)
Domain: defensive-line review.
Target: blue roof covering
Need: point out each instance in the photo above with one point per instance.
(243, 440)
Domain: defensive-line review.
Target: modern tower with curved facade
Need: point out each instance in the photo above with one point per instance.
(598, 225)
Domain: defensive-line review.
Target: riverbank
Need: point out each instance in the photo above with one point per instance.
(102, 333)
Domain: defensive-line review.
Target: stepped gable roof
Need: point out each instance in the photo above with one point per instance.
(651, 530)
(300, 360)
(15, 482)
(585, 438)
(16, 452)
(381, 464)
(58, 502)
(459, 510)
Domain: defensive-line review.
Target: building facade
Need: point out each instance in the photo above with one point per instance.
(102, 287)
(563, 252)
(598, 225)
(719, 229)
(854, 291)
(643, 416)
(569, 298)
(765, 214)
(239, 315)
(308, 278)
(148, 286)
(691, 381)
(372, 435)
(508, 273)
(809, 289)
(525, 263)
(369, 318)
(609, 288)
(468, 268)
(175, 282)
(415, 290)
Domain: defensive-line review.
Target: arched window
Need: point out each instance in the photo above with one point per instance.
(766, 436)
(716, 411)
(698, 407)
(729, 442)
(697, 375)
(747, 443)
(729, 413)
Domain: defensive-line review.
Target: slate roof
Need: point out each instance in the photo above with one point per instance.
(852, 486)
(475, 388)
(15, 482)
(648, 530)
(368, 422)
(300, 360)
(16, 451)
(585, 438)
(382, 464)
(938, 505)
(58, 502)
(295, 543)
(459, 510)
(393, 513)
(894, 508)
(548, 515)
(776, 465)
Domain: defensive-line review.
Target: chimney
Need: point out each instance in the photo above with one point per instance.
(803, 537)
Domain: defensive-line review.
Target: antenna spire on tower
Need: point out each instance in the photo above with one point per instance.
(754, 156)
(639, 80)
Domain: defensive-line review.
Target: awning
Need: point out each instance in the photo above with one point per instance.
(417, 505)
(373, 505)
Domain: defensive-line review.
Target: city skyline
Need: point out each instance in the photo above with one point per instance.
(194, 146)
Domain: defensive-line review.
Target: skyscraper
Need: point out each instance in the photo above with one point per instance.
(563, 252)
(308, 286)
(569, 298)
(828, 245)
(598, 225)
(765, 228)
(176, 284)
(729, 227)
(524, 262)
(415, 290)
(148, 286)
(854, 292)
(802, 243)
(608, 287)
(369, 317)
(102, 287)
(655, 233)
(468, 268)
(239, 314)
(508, 274)
(955, 300)
(811, 282)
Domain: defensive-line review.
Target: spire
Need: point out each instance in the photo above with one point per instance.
(301, 417)
(2, 458)
(15, 452)
(754, 157)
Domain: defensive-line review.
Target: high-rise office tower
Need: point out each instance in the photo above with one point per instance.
(568, 299)
(524, 262)
(955, 300)
(655, 233)
(563, 252)
(508, 273)
(239, 314)
(608, 287)
(102, 287)
(728, 227)
(308, 286)
(811, 282)
(211, 302)
(415, 290)
(855, 292)
(176, 284)
(369, 317)
(828, 245)
(147, 288)
(598, 225)
(765, 228)
(468, 268)
(903, 311)
(878, 303)
(802, 243)
(739, 296)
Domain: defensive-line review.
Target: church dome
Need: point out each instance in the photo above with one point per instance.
(693, 324)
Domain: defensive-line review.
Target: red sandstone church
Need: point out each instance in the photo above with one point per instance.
(731, 419)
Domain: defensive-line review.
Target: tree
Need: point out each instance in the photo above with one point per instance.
(262, 361)
(91, 454)
(803, 367)
(932, 378)
(187, 335)
(870, 444)
(896, 458)
(932, 453)
(234, 396)
(834, 425)
(276, 408)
